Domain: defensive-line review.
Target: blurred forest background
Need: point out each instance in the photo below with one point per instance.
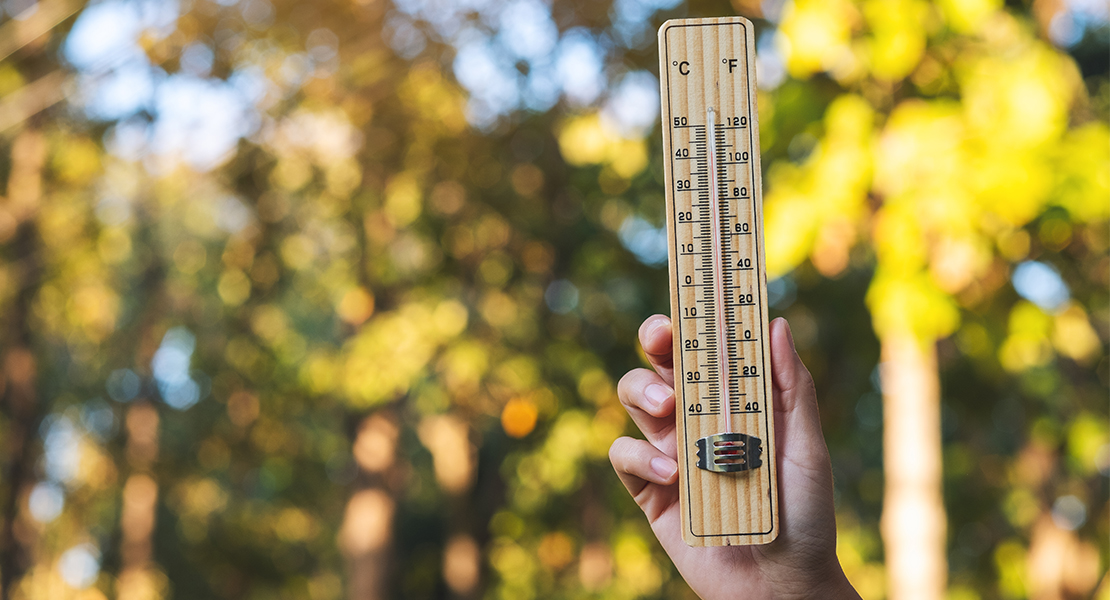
(328, 299)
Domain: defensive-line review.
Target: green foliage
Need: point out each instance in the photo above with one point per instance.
(404, 319)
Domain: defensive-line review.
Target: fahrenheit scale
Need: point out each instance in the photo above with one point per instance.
(726, 433)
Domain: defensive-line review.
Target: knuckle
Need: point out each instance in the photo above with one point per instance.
(621, 452)
(628, 384)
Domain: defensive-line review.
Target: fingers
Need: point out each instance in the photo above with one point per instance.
(649, 399)
(650, 402)
(655, 339)
(639, 464)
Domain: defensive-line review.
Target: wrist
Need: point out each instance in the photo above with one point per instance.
(827, 583)
(837, 585)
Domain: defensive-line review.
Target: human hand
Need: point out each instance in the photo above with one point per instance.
(801, 562)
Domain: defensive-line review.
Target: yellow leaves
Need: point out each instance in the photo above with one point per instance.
(462, 368)
(518, 374)
(956, 261)
(189, 256)
(559, 465)
(527, 179)
(76, 160)
(492, 231)
(234, 288)
(243, 355)
(356, 306)
(1034, 334)
(499, 309)
(573, 438)
(1087, 436)
(586, 140)
(1019, 99)
(518, 418)
(595, 385)
(403, 199)
(195, 500)
(342, 177)
(830, 249)
(898, 36)
(10, 78)
(817, 33)
(323, 138)
(515, 566)
(636, 569)
(1010, 184)
(582, 141)
(910, 303)
(496, 269)
(199, 498)
(291, 173)
(269, 323)
(954, 176)
(44, 582)
(789, 226)
(854, 546)
(1014, 108)
(95, 307)
(918, 150)
(1074, 337)
(298, 251)
(1083, 172)
(555, 550)
(967, 16)
(450, 318)
(95, 467)
(271, 436)
(114, 245)
(320, 372)
(1009, 560)
(438, 104)
(61, 223)
(393, 350)
(813, 209)
(1027, 344)
(294, 525)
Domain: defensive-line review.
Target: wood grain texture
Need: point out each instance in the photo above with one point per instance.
(719, 338)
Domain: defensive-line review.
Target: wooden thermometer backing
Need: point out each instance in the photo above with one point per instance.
(726, 432)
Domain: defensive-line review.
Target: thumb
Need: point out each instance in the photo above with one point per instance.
(795, 396)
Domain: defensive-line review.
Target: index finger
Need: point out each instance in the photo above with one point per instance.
(655, 339)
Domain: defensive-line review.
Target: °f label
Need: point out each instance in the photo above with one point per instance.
(726, 446)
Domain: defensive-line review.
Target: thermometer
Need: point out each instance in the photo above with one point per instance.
(725, 421)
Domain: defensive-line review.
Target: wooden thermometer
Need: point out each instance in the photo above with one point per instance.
(726, 430)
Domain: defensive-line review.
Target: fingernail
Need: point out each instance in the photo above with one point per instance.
(663, 467)
(657, 394)
(659, 324)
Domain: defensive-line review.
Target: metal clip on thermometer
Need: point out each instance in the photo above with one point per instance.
(728, 488)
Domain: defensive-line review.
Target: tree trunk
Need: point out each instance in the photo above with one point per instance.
(18, 378)
(140, 500)
(367, 528)
(913, 522)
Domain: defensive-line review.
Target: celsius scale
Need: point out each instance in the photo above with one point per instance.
(725, 421)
